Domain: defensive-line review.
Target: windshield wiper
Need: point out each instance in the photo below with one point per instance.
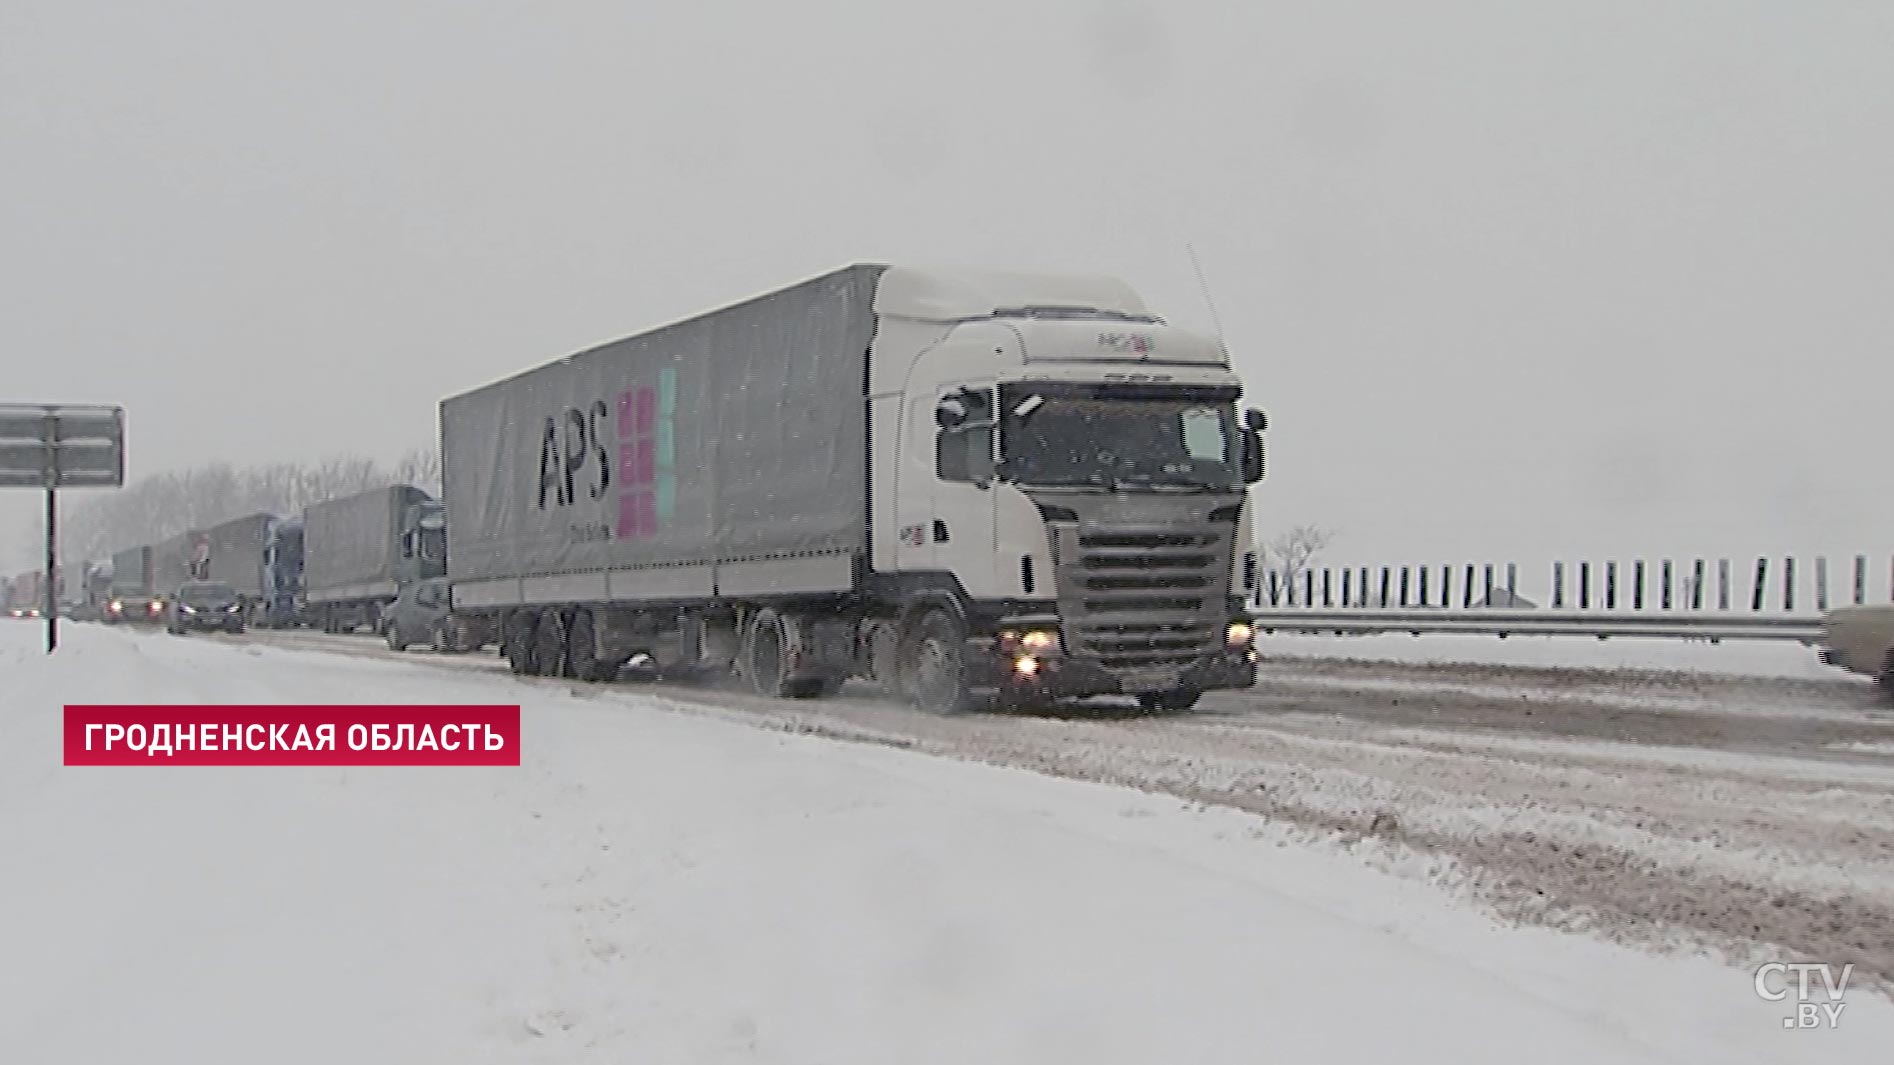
(1095, 481)
(1186, 484)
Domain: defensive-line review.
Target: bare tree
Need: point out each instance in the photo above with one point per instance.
(169, 503)
(421, 468)
(1291, 552)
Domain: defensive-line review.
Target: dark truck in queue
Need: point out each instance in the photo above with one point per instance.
(241, 557)
(134, 600)
(963, 487)
(359, 551)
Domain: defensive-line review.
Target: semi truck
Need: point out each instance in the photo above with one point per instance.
(282, 576)
(963, 487)
(26, 595)
(236, 558)
(359, 551)
(134, 599)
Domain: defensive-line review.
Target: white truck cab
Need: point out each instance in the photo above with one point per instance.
(1049, 451)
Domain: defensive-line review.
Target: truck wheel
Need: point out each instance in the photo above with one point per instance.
(1886, 676)
(582, 650)
(516, 643)
(549, 646)
(936, 670)
(1172, 701)
(450, 637)
(763, 664)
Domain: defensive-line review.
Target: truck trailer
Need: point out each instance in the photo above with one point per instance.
(361, 550)
(963, 487)
(236, 558)
(177, 559)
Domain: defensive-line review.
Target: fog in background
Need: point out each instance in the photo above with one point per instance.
(1513, 281)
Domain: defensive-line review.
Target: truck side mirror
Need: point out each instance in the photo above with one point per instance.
(1252, 456)
(1255, 421)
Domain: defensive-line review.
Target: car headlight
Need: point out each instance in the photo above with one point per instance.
(233, 608)
(1039, 640)
(188, 609)
(1240, 634)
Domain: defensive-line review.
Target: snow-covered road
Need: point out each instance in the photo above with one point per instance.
(653, 886)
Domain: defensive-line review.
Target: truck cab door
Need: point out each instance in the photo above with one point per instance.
(960, 527)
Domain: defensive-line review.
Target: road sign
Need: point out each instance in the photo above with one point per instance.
(54, 446)
(49, 446)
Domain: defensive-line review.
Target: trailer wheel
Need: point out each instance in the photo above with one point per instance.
(517, 643)
(936, 671)
(1886, 676)
(550, 646)
(763, 663)
(582, 650)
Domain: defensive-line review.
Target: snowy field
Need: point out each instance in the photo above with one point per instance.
(1758, 658)
(670, 887)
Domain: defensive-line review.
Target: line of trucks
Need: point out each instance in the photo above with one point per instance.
(336, 566)
(964, 487)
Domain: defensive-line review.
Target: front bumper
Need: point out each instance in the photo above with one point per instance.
(1069, 678)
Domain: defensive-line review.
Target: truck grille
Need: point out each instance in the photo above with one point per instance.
(1140, 599)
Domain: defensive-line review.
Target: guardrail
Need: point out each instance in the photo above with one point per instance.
(1712, 628)
(1695, 598)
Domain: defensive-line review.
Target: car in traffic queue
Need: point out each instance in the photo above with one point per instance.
(205, 605)
(423, 613)
(1860, 639)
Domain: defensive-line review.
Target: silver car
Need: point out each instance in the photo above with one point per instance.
(1860, 639)
(423, 613)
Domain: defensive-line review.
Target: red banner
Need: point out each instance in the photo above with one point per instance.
(351, 735)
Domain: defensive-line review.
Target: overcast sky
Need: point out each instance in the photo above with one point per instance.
(1512, 280)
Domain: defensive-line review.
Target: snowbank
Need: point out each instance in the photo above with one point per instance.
(653, 886)
(1758, 658)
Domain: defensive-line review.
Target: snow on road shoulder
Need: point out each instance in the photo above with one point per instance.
(1743, 658)
(661, 886)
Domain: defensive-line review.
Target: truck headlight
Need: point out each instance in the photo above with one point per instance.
(1026, 666)
(1240, 634)
(1033, 642)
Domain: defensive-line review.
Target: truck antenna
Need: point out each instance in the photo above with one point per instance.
(1215, 320)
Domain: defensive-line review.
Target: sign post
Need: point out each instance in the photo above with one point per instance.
(50, 446)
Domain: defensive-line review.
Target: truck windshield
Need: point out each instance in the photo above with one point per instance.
(1120, 437)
